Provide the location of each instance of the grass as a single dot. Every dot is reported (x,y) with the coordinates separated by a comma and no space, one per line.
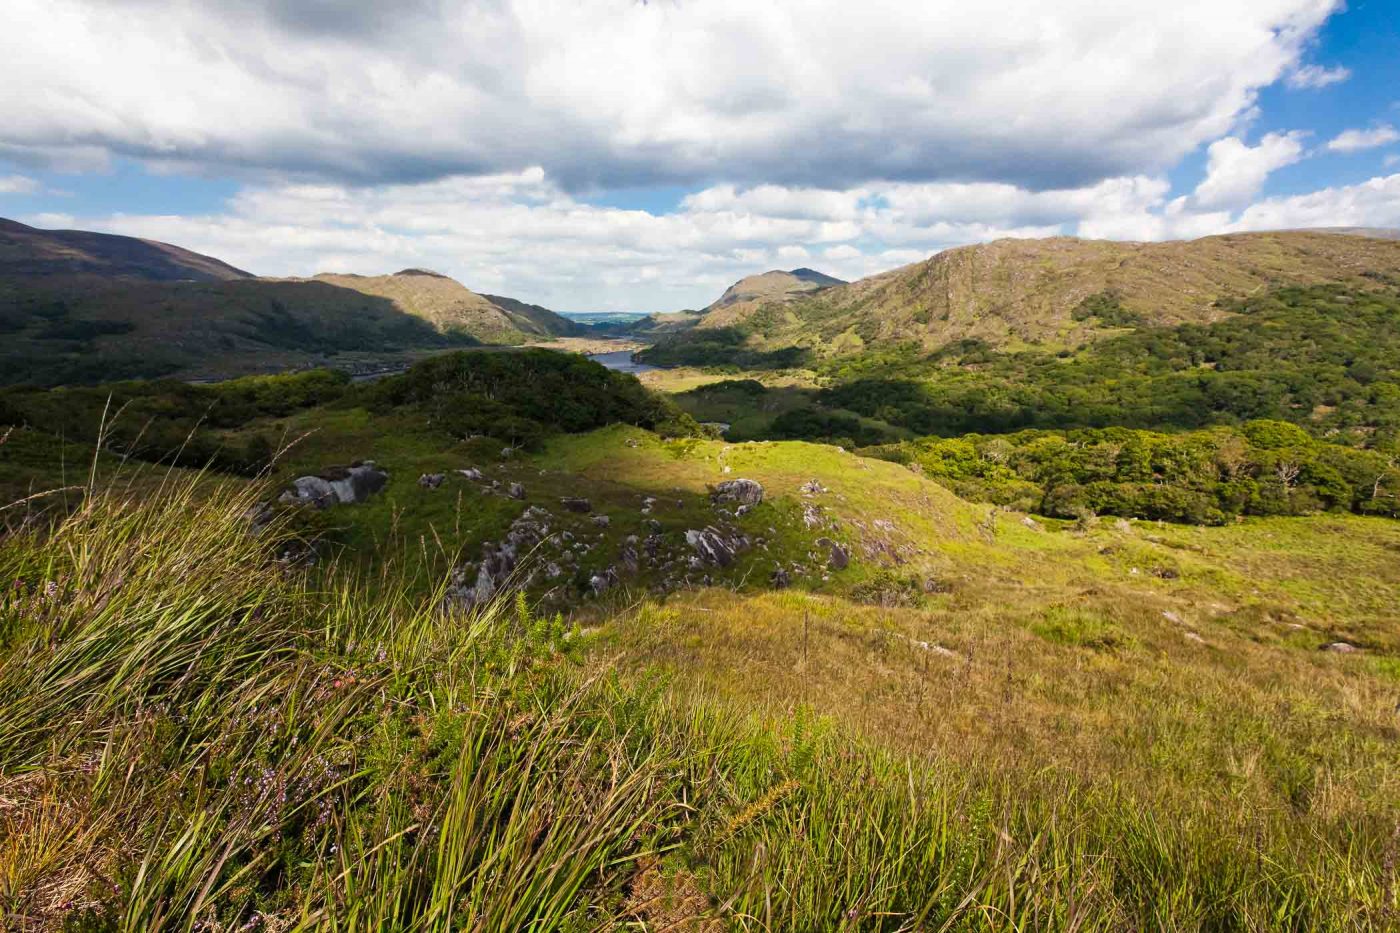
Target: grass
(193,735)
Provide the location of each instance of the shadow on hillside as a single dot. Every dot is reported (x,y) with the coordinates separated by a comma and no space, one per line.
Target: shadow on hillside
(81,329)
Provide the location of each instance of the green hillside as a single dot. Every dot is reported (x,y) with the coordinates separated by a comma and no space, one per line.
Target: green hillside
(1019,293)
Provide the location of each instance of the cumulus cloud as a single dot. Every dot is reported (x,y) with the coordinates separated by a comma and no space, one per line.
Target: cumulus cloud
(804,93)
(1356,140)
(1235,172)
(524,235)
(18,184)
(1315,76)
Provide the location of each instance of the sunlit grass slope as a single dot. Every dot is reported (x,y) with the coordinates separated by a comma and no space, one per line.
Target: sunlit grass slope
(193,736)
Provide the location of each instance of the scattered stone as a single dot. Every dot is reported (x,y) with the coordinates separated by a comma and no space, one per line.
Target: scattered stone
(838,558)
(553,571)
(472,473)
(742,492)
(574,504)
(517,491)
(714,547)
(601,583)
(602,521)
(1340,647)
(628,558)
(431,480)
(337,486)
(812,488)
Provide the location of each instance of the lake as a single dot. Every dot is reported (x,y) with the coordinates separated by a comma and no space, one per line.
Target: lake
(621,360)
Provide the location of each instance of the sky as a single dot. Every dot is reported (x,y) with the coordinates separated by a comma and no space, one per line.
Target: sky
(641,155)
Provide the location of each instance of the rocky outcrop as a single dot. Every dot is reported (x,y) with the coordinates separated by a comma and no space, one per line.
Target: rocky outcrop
(838,558)
(715,548)
(475,584)
(336,486)
(744,493)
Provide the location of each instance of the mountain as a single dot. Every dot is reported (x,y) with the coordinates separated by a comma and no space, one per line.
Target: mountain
(1056,292)
(451,307)
(29,251)
(82,307)
(775,286)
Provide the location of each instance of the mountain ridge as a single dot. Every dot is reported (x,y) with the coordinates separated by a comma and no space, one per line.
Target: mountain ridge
(1059,291)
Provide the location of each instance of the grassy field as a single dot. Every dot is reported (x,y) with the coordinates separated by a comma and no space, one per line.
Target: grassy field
(985,721)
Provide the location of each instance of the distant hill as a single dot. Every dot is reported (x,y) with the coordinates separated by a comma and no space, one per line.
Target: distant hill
(775,286)
(88,307)
(29,251)
(451,307)
(1051,292)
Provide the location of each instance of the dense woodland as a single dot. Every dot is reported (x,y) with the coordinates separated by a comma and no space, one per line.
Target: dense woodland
(518,397)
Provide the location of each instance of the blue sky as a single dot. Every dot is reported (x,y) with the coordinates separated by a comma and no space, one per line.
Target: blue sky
(612,155)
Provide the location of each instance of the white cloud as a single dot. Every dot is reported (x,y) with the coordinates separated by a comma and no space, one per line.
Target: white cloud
(800,93)
(1356,140)
(1315,76)
(1373,203)
(18,184)
(1235,172)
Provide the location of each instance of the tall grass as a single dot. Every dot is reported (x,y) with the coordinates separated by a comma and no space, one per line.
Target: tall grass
(194,735)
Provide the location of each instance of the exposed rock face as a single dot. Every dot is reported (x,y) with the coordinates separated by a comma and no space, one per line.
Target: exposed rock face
(431,480)
(475,584)
(714,547)
(576,505)
(337,486)
(740,492)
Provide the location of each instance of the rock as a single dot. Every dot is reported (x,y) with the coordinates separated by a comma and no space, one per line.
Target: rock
(575,504)
(507,452)
(517,491)
(653,526)
(431,480)
(472,473)
(498,561)
(742,492)
(812,488)
(601,583)
(714,547)
(553,571)
(838,558)
(779,579)
(1340,647)
(629,558)
(1031,523)
(1171,617)
(633,442)
(337,486)
(1192,636)
(602,521)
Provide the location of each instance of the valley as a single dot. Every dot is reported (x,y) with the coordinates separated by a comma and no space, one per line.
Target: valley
(1092,598)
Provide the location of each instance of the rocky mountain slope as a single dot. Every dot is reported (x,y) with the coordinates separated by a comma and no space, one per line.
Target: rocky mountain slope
(776,285)
(1055,292)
